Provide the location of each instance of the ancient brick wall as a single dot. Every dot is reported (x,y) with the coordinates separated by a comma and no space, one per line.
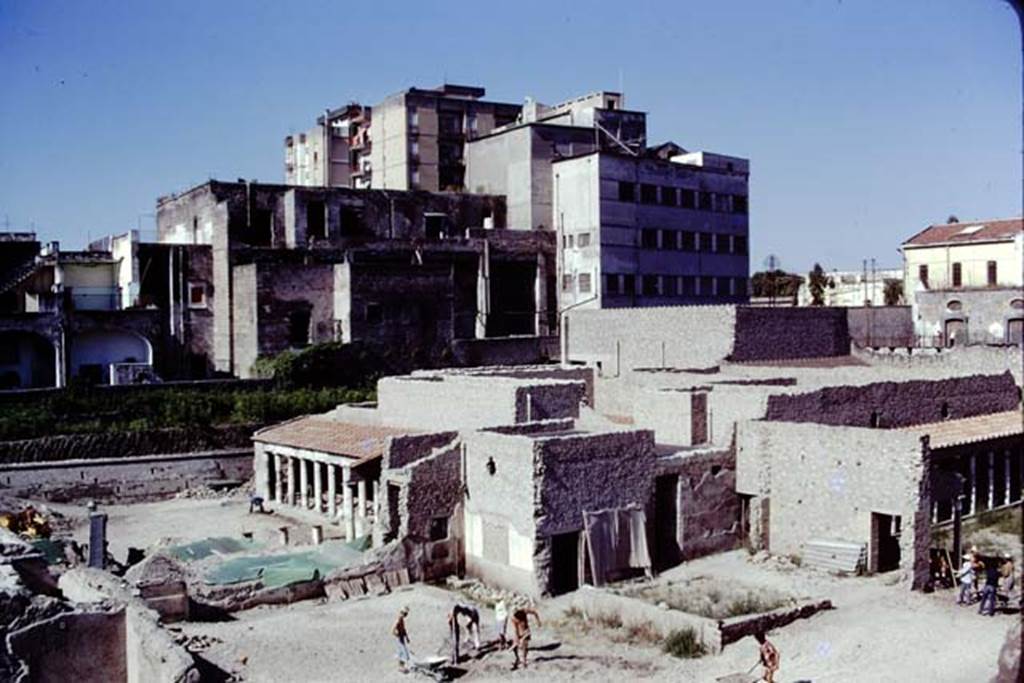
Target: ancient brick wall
(785,333)
(899,404)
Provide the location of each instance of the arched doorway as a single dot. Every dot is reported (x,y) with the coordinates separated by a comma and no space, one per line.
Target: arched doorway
(956,332)
(27,361)
(92,353)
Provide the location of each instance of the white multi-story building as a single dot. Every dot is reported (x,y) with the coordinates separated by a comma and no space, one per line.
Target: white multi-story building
(965,282)
(642,231)
(852,287)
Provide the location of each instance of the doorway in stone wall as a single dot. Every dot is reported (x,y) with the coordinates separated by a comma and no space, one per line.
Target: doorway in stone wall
(666,521)
(885,539)
(565,562)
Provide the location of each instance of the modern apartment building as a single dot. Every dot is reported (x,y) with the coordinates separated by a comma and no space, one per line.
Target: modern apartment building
(413,140)
(639,230)
(515,160)
(334,153)
(966,280)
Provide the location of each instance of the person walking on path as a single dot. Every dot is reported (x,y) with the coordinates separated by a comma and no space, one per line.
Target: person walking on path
(965,575)
(988,593)
(769,658)
(401,634)
(521,627)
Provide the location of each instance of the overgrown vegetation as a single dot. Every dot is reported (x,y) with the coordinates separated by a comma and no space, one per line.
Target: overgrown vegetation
(338,365)
(685,644)
(83,410)
(712,599)
(612,626)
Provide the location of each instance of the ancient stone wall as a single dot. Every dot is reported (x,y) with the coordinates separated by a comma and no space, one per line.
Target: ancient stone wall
(899,404)
(872,326)
(407,449)
(549,400)
(133,479)
(125,444)
(671,336)
(591,472)
(708,508)
(786,333)
(811,481)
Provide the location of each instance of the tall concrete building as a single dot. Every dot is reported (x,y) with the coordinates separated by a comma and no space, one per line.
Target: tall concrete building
(334,153)
(413,140)
(639,230)
(515,160)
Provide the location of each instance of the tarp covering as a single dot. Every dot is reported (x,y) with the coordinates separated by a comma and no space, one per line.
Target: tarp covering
(219,545)
(282,569)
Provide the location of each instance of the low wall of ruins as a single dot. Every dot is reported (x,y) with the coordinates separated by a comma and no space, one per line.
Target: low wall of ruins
(133,479)
(113,444)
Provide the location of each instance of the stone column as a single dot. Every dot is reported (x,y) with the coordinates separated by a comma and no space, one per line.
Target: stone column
(991,480)
(974,483)
(332,491)
(361,510)
(318,486)
(346,505)
(282,481)
(303,484)
(377,502)
(289,495)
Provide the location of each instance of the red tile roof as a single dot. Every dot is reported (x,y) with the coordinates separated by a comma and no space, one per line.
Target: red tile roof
(952,233)
(319,433)
(971,429)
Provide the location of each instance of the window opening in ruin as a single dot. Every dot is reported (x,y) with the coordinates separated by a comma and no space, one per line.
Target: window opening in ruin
(944,410)
(491,467)
(434,226)
(262,228)
(350,220)
(873,421)
(196,295)
(316,220)
(715,469)
(439,529)
(298,329)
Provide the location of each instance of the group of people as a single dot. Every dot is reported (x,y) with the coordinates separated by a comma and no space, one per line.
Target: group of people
(469,617)
(999,579)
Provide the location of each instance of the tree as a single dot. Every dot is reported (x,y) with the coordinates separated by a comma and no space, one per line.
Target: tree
(893,292)
(774,283)
(952,219)
(817,281)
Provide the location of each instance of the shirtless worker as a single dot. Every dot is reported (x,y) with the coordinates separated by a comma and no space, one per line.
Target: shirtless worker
(521,629)
(769,658)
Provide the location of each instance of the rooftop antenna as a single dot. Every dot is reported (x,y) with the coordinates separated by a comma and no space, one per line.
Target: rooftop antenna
(621,84)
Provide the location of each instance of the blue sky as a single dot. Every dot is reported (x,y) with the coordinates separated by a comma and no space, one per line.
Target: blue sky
(864,120)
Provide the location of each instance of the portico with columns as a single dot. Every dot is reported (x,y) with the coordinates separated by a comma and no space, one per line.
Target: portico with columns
(318,465)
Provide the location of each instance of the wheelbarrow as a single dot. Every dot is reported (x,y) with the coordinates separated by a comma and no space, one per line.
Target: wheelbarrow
(434,667)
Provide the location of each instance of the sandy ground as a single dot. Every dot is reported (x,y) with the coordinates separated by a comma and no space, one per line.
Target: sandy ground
(878,632)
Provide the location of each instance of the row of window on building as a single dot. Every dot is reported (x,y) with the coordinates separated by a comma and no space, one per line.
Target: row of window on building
(674,240)
(682,197)
(957,275)
(629,284)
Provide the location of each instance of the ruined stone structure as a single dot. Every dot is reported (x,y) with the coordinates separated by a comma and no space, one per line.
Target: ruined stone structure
(292,266)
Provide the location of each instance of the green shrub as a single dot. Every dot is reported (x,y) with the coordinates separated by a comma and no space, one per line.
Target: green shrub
(685,644)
